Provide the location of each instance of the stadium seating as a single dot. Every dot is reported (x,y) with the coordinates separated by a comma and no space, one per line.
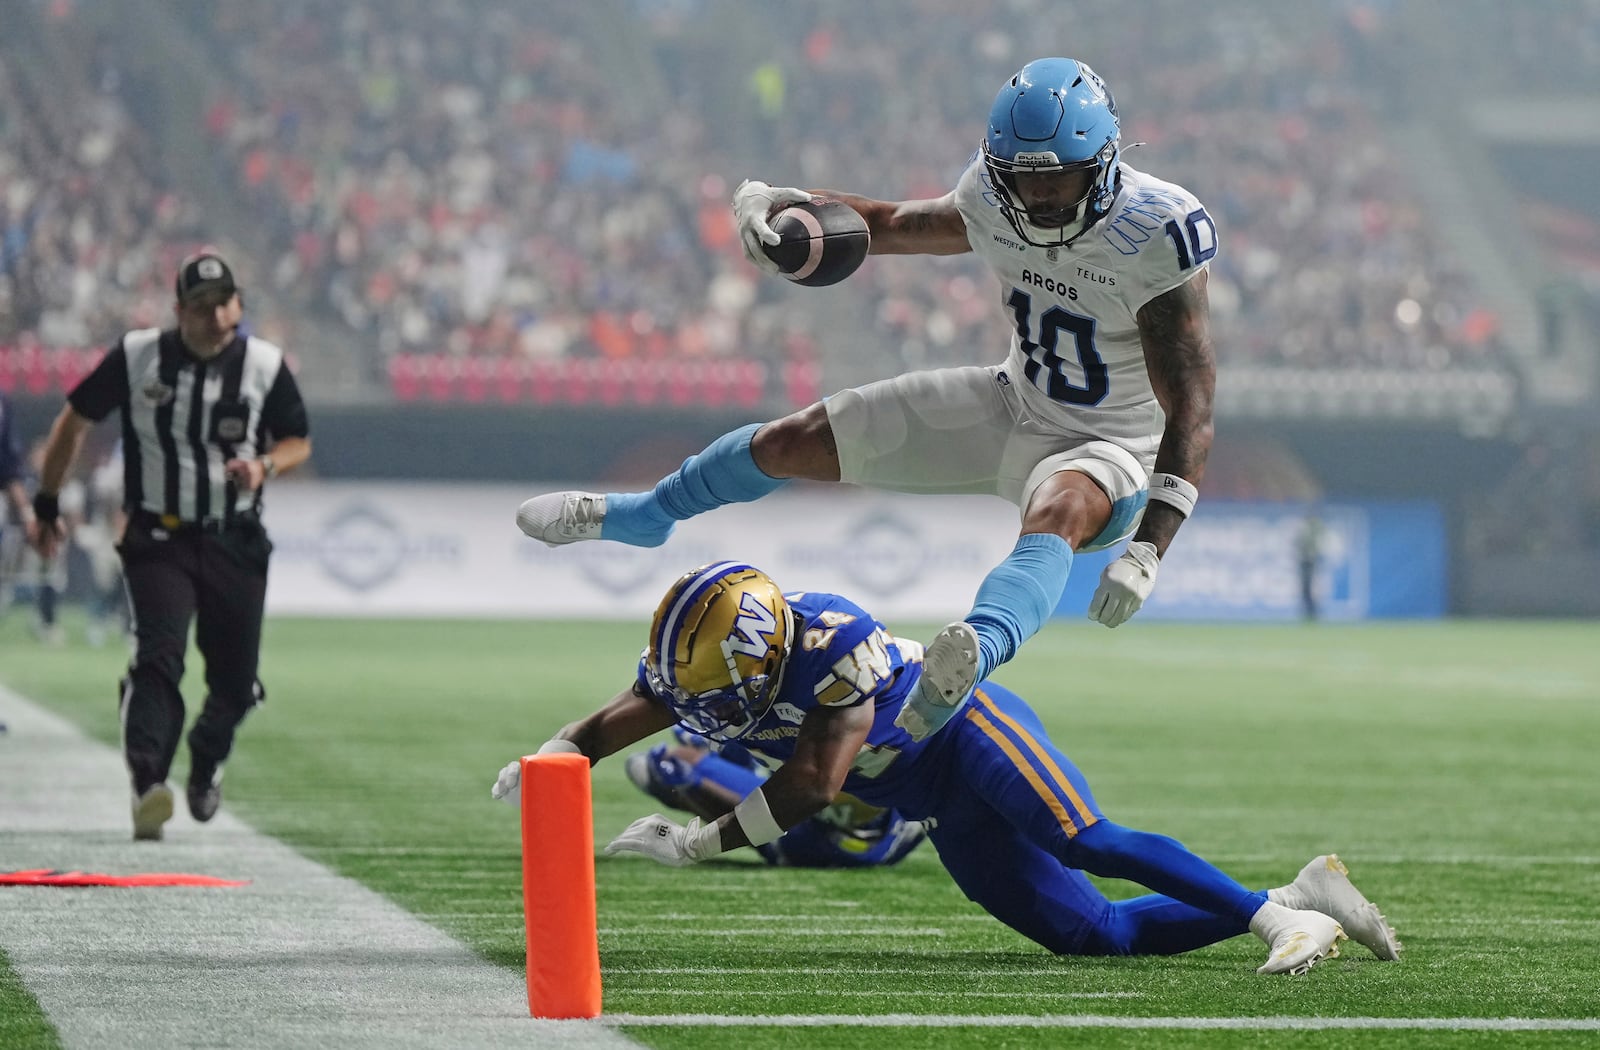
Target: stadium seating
(437,183)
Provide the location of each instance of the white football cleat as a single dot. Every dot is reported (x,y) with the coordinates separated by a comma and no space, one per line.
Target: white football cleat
(150,811)
(949,673)
(1324,885)
(557,518)
(1298,939)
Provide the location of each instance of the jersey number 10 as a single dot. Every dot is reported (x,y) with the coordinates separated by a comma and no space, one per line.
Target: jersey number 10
(1042,355)
(1196,241)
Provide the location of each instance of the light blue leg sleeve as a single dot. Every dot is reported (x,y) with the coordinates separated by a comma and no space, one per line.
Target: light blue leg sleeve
(725,472)
(1018,596)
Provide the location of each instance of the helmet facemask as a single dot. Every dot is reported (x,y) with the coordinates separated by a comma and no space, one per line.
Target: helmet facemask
(724,713)
(1065,216)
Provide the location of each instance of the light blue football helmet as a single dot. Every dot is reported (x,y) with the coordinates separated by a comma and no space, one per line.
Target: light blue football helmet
(1055,119)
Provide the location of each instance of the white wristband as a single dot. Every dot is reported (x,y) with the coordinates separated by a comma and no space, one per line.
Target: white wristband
(558,746)
(1175,492)
(702,840)
(755,817)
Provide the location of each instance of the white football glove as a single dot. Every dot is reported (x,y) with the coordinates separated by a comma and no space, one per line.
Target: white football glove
(753,204)
(664,839)
(1125,584)
(508,785)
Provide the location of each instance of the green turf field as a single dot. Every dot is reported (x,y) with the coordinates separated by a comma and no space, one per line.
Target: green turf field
(1453,766)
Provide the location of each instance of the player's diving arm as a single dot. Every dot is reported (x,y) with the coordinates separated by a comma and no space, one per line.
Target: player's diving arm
(1175,330)
(829,740)
(921,227)
(631,716)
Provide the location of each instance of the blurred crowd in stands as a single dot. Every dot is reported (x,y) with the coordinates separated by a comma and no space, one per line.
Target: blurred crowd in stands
(90,235)
(547,182)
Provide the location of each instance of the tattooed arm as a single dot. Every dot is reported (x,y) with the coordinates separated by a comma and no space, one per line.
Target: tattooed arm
(922,227)
(1175,329)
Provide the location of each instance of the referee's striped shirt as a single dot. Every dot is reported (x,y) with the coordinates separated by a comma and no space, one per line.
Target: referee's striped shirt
(184,418)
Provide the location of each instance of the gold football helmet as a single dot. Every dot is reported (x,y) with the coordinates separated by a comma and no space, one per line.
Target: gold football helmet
(718,643)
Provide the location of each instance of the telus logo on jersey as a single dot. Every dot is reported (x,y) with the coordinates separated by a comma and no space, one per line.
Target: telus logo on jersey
(1097,277)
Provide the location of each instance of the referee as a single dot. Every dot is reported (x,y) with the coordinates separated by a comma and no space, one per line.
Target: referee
(209,416)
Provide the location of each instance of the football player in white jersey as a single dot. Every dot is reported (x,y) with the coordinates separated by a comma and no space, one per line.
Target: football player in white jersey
(1102,404)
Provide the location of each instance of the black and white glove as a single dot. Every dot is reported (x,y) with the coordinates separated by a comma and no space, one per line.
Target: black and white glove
(1125,584)
(665,840)
(753,204)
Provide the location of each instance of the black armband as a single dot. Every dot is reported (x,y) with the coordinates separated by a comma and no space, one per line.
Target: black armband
(46,507)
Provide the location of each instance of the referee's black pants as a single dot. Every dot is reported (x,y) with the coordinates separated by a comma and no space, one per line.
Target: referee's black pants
(216,577)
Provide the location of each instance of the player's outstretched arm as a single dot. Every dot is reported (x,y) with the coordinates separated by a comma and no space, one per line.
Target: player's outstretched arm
(628,718)
(631,716)
(828,742)
(920,227)
(1175,330)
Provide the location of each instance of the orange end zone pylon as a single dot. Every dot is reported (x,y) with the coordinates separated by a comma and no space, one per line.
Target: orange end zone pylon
(558,887)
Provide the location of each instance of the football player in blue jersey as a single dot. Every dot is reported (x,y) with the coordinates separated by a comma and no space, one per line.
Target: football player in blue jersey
(812,683)
(1102,406)
(708,779)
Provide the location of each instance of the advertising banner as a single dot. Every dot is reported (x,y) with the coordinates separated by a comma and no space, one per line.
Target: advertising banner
(375,549)
(1253,561)
(421,550)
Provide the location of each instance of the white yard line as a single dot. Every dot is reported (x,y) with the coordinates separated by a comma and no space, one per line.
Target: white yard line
(300,957)
(766,931)
(1308,1024)
(878,993)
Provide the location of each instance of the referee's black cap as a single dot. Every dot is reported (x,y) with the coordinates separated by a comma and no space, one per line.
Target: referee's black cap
(202,273)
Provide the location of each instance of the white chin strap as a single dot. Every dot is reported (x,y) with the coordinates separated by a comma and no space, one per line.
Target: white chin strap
(1062,235)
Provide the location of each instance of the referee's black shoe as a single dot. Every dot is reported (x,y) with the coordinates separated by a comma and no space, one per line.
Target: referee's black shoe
(205,790)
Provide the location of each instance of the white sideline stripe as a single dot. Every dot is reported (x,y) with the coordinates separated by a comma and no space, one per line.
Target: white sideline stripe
(832,971)
(300,957)
(852,921)
(944,993)
(1307,1024)
(1488,860)
(766,931)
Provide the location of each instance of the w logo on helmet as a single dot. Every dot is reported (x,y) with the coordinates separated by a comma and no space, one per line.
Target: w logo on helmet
(754,628)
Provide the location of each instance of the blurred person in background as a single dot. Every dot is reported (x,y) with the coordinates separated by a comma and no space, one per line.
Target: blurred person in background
(812,684)
(1110,375)
(43,579)
(104,521)
(209,416)
(1308,551)
(16,508)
